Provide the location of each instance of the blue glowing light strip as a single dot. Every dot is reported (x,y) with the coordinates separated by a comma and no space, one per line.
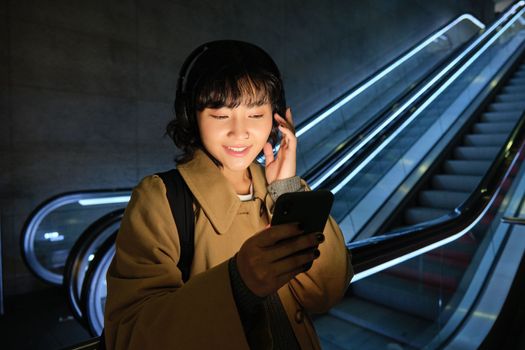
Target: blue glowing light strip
(402,109)
(380,75)
(106,200)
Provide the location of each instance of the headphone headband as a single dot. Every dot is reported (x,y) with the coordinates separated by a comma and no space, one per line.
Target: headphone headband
(188,63)
(208,56)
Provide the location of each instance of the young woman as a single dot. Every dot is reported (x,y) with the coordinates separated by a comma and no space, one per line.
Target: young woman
(247,288)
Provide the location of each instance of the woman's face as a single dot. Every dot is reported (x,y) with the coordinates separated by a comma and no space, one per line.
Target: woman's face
(235,136)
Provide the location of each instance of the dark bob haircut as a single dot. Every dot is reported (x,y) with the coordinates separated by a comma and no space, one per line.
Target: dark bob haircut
(223,73)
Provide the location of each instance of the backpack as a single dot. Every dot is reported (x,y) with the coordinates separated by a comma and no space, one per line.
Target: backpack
(181,205)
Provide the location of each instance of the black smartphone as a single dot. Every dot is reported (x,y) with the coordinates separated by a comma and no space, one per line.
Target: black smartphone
(309,209)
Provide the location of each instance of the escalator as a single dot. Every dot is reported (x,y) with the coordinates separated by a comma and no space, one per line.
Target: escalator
(420,302)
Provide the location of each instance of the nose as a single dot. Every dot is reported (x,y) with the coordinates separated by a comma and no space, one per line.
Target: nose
(239,129)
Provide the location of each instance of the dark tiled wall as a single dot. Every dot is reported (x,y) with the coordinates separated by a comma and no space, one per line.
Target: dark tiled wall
(86,87)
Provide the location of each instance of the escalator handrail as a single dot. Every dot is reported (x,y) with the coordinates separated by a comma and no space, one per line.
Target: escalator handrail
(346,97)
(380,252)
(355,157)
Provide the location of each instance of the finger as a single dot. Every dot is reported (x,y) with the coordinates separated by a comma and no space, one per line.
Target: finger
(281,280)
(289,118)
(276,233)
(295,244)
(268,153)
(285,124)
(289,136)
(283,144)
(281,121)
(297,262)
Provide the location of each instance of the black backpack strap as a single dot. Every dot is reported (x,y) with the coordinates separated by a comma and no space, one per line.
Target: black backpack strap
(181,204)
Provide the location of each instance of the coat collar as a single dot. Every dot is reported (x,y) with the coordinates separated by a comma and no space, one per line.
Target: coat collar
(214,193)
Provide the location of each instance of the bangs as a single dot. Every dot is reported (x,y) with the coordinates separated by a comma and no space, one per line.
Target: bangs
(232,90)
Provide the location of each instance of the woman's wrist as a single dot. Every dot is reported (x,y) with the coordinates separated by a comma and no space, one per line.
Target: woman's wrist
(278,187)
(244,297)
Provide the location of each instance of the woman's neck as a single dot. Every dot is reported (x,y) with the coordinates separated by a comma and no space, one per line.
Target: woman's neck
(240,181)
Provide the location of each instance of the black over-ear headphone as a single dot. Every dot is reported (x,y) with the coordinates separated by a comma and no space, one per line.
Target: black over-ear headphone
(208,57)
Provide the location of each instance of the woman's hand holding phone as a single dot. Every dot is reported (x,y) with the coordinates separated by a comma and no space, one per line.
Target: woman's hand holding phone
(272,257)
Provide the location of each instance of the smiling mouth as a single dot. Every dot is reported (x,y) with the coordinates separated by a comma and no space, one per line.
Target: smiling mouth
(237,151)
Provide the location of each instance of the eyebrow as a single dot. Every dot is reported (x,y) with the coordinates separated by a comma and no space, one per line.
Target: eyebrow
(250,106)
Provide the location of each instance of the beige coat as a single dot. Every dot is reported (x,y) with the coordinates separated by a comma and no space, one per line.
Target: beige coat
(149,307)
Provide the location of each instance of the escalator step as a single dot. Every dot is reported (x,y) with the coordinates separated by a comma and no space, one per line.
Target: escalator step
(476,153)
(506,106)
(485,139)
(461,183)
(516,81)
(466,167)
(519,74)
(337,334)
(416,215)
(493,128)
(519,77)
(442,199)
(516,97)
(510,116)
(382,320)
(407,296)
(515,89)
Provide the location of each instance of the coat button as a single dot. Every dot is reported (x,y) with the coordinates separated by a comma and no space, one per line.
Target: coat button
(299,316)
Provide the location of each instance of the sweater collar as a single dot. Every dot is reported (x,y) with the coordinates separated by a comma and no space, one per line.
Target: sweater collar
(214,193)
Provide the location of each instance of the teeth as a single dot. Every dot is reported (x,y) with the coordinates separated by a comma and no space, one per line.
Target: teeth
(237,149)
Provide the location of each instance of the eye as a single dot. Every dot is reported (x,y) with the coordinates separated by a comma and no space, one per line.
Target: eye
(256,116)
(218,116)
